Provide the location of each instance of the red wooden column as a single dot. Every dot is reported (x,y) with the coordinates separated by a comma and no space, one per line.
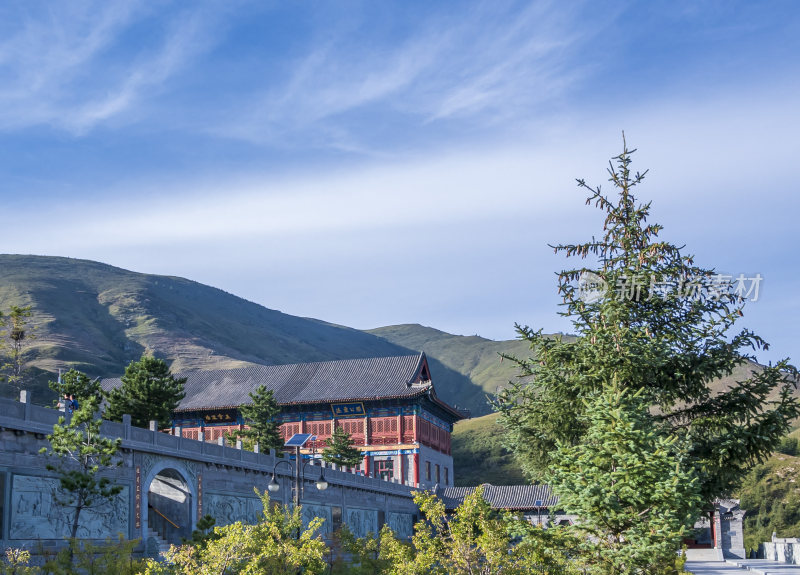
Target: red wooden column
(402,468)
(400,429)
(366,465)
(416,469)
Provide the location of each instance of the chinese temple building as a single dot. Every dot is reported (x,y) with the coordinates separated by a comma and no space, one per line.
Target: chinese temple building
(387,404)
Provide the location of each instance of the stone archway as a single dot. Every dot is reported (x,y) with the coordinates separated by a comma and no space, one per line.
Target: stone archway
(169,503)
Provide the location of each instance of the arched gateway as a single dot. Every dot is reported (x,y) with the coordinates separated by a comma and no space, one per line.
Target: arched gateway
(169,503)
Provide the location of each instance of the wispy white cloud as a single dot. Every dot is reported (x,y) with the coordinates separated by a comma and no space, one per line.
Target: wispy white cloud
(63,64)
(486,63)
(690,147)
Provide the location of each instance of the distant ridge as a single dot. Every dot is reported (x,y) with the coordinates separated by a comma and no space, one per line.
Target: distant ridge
(97,318)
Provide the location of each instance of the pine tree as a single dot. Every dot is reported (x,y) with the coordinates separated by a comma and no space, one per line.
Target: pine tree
(647,318)
(340,449)
(77,384)
(148,392)
(82,453)
(633,490)
(259,416)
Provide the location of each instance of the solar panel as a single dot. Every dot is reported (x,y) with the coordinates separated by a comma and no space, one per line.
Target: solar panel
(297,440)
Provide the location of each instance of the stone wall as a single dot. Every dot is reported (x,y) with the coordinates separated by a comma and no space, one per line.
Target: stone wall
(182,478)
(785,551)
(434,457)
(732,536)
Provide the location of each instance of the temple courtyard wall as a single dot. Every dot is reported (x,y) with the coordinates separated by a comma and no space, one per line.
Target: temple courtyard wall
(168,482)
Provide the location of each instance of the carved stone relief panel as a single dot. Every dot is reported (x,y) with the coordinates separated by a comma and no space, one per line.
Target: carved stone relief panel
(310,511)
(36,513)
(362,521)
(227,509)
(401,523)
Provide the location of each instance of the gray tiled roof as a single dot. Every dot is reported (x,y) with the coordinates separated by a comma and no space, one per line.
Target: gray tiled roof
(513,497)
(302,383)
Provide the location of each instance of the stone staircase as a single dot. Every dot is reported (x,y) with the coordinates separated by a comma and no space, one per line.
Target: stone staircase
(161,544)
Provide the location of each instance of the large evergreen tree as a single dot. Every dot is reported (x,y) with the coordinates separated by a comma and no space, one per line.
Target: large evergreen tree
(259,415)
(148,392)
(650,321)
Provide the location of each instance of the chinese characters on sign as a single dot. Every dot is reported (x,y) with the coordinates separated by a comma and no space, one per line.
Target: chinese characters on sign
(199,494)
(348,409)
(138,498)
(218,417)
(591,287)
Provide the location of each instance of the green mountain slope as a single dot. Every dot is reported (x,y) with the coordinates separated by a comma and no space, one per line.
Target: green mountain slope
(97,318)
(478,454)
(771,495)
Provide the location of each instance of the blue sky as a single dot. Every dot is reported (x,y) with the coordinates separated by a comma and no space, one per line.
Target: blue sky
(372,163)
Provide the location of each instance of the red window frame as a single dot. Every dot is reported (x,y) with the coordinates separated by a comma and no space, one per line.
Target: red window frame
(384,466)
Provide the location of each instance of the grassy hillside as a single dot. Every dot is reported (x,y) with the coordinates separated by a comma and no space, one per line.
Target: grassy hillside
(771,496)
(98,318)
(479,457)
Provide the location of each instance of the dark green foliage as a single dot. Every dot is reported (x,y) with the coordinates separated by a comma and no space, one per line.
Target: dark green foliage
(671,345)
(340,449)
(148,392)
(633,489)
(788,446)
(81,454)
(479,455)
(77,384)
(259,416)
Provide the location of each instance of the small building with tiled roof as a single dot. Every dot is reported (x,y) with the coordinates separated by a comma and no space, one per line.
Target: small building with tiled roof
(387,404)
(534,502)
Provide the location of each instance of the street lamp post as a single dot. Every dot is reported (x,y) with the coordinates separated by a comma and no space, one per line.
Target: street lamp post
(274,486)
